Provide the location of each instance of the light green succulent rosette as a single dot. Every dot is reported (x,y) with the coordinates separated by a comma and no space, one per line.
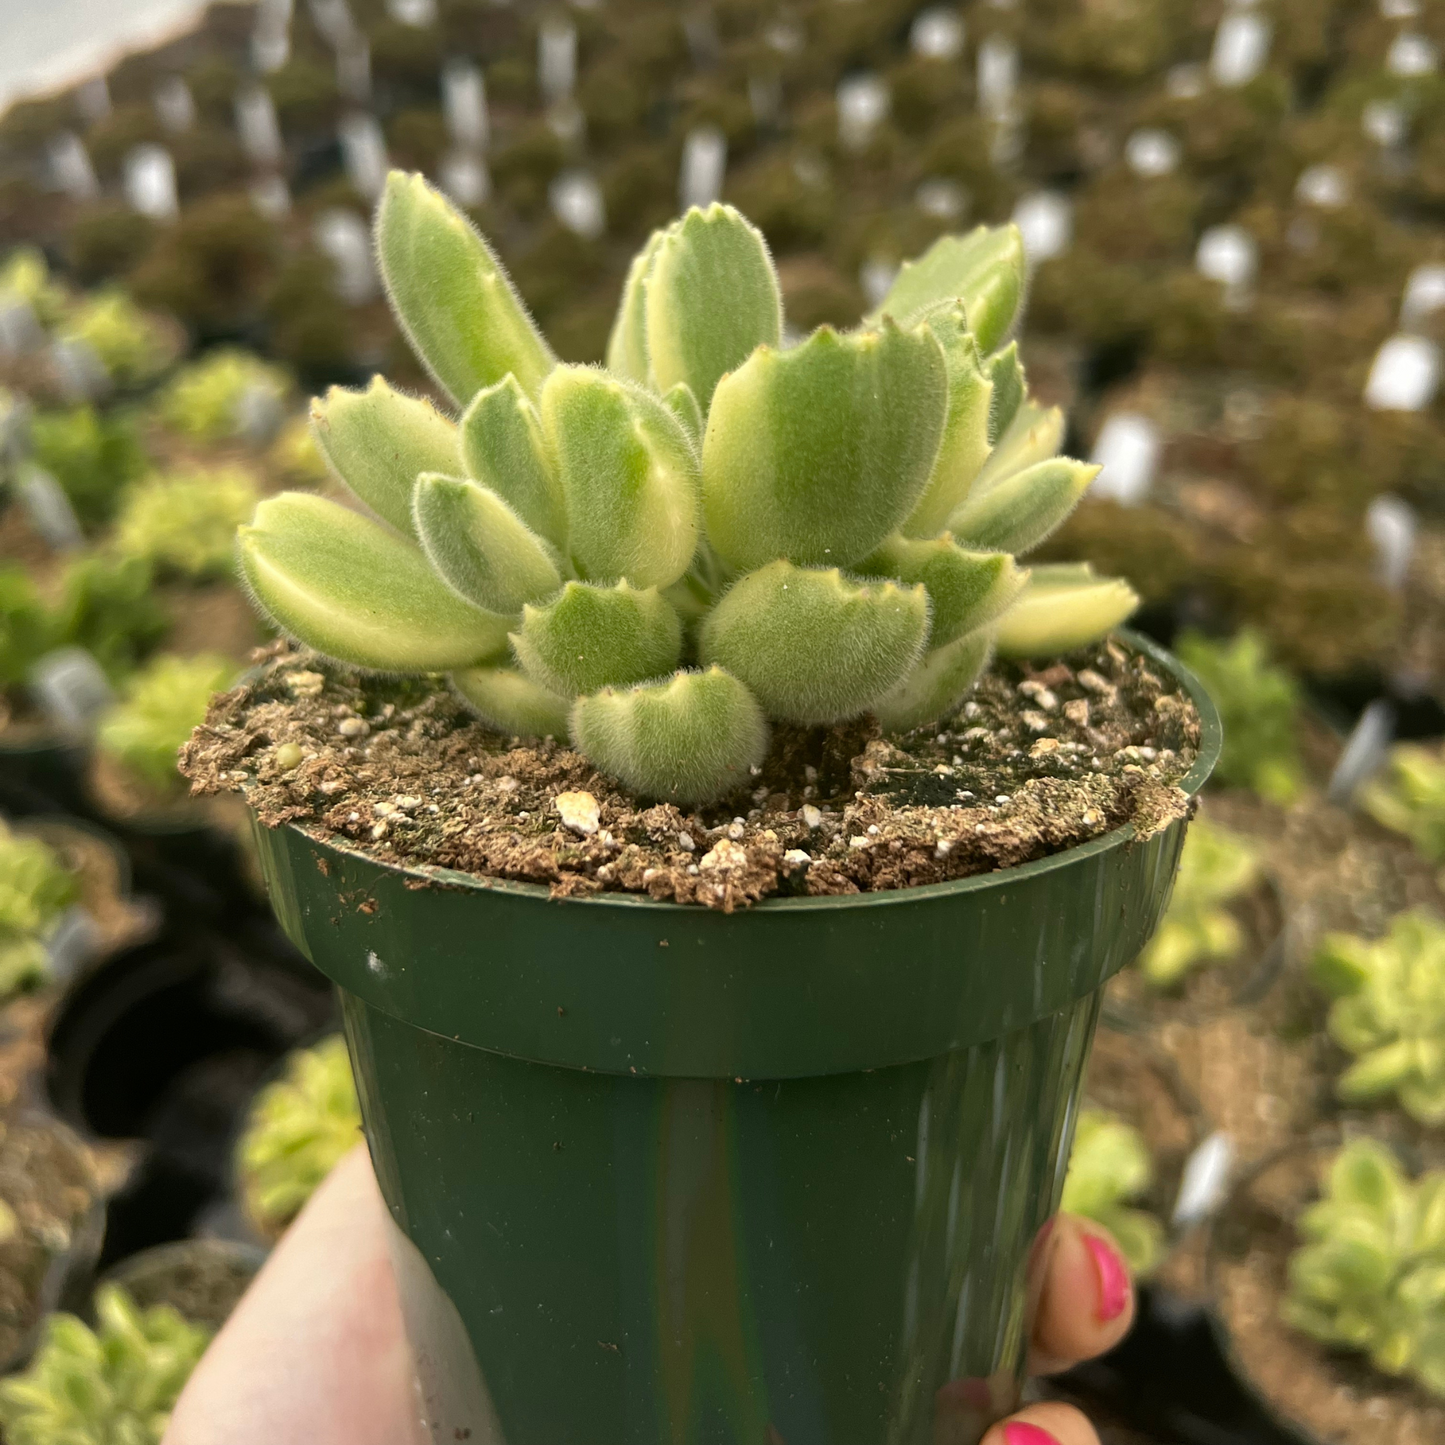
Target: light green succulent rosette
(661,558)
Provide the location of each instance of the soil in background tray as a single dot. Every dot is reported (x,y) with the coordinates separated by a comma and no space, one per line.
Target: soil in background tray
(1341,1397)
(1037,761)
(203,1279)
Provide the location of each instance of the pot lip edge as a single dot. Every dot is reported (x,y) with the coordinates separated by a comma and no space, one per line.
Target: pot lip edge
(1211,736)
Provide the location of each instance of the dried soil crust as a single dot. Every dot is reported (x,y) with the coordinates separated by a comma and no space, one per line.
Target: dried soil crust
(1338,1397)
(1037,761)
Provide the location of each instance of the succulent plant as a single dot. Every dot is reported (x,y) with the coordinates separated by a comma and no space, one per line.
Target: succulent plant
(93,455)
(1408,796)
(35,890)
(26,277)
(1216,867)
(1371,1275)
(185,521)
(1258,703)
(156,713)
(227,394)
(114,1385)
(1109,1166)
(1389,1012)
(658,558)
(298,1130)
(134,347)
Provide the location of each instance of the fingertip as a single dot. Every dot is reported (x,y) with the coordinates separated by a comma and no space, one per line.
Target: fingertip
(1046,1424)
(1086,1305)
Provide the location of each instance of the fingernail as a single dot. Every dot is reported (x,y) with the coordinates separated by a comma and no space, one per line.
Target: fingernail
(1020,1432)
(1113,1279)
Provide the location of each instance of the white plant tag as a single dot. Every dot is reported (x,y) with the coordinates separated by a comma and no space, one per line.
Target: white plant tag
(1424,294)
(1046,221)
(1151,153)
(863,105)
(49,509)
(998,76)
(271,196)
(1241,47)
(175,107)
(70,167)
(70,689)
(1228,254)
(363,151)
(257,126)
(1322,186)
(465,178)
(704,163)
(1205,1181)
(345,239)
(937,34)
(1393,529)
(150,182)
(1127,448)
(576,201)
(464,103)
(1365,751)
(1404,375)
(556,59)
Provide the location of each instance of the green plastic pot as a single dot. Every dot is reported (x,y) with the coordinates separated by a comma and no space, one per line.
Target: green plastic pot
(666,1176)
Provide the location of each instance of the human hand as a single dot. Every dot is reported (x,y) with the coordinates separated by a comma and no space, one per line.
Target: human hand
(316,1353)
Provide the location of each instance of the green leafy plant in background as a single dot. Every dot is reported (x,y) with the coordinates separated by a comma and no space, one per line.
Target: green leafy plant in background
(114,1385)
(1408,796)
(212,399)
(1109,1167)
(133,346)
(156,713)
(660,558)
(27,626)
(1259,705)
(108,606)
(35,891)
(93,455)
(1389,1012)
(298,1130)
(1215,868)
(185,521)
(24,276)
(1371,1276)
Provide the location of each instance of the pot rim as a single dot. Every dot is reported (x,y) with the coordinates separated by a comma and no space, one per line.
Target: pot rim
(1211,739)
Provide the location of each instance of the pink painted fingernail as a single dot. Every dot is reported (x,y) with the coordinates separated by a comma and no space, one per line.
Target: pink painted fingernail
(1020,1432)
(1113,1279)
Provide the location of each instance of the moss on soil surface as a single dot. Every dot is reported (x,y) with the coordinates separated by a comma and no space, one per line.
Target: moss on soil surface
(1037,761)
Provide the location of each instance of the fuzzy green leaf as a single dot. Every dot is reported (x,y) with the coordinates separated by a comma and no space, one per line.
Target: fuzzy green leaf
(479,546)
(812,647)
(593,637)
(1035,434)
(984,269)
(1020,511)
(627,345)
(964,447)
(354,590)
(511,703)
(456,304)
(1006,372)
(629,476)
(1061,608)
(690,739)
(711,297)
(938,684)
(966,589)
(378,442)
(503,447)
(680,401)
(818,453)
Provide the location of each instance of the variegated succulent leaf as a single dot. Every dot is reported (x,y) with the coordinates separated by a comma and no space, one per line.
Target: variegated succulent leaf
(689,739)
(378,442)
(818,453)
(1063,606)
(502,446)
(985,270)
(453,299)
(511,702)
